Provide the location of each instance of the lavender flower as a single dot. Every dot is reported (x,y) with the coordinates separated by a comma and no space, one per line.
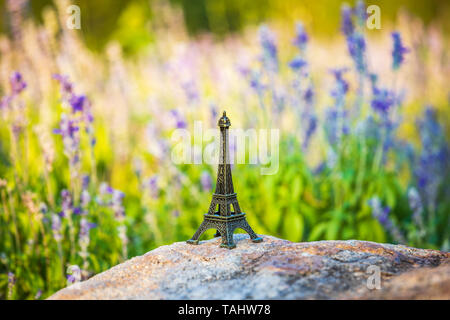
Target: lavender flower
(311,128)
(157,145)
(122,231)
(178,119)
(308,95)
(382,215)
(74,274)
(415,203)
(84,239)
(17,83)
(11,278)
(80,105)
(117,206)
(105,189)
(56,227)
(88,120)
(341,85)
(191,91)
(255,80)
(336,117)
(270,51)
(206,181)
(347,26)
(213,113)
(11,284)
(5,102)
(301,37)
(360,13)
(69,130)
(398,51)
(85,199)
(85,179)
(356,47)
(297,63)
(104,194)
(18,119)
(151,185)
(432,165)
(175,213)
(66,85)
(335,126)
(77,102)
(43,209)
(85,226)
(119,214)
(66,204)
(382,101)
(38,294)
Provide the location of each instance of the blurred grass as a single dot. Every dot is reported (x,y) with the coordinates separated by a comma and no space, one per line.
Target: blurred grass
(130,22)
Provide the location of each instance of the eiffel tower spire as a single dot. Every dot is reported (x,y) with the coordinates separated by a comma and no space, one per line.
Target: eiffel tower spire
(224,220)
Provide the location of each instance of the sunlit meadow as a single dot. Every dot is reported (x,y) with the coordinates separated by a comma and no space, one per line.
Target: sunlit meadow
(86,176)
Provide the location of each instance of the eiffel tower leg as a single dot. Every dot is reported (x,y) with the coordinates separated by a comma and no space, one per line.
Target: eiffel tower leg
(245,226)
(203,227)
(227,237)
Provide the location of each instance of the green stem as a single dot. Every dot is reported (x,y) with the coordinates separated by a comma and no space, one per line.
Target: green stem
(362,166)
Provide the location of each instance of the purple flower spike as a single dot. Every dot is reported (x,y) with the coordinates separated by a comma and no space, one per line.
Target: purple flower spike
(347,26)
(206,181)
(179,120)
(105,189)
(270,51)
(17,83)
(70,278)
(301,37)
(66,85)
(311,128)
(382,215)
(398,51)
(85,226)
(4,102)
(356,47)
(77,102)
(341,83)
(382,101)
(360,13)
(152,186)
(309,95)
(85,181)
(297,63)
(56,227)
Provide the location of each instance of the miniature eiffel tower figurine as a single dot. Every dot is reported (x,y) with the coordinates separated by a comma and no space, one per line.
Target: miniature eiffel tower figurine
(224,220)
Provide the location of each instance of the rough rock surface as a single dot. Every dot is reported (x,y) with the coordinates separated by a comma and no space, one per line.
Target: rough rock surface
(273,269)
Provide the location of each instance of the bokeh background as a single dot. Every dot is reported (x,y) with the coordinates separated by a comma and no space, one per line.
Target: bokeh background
(87,116)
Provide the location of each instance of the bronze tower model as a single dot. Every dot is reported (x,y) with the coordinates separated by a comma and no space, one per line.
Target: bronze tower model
(224,220)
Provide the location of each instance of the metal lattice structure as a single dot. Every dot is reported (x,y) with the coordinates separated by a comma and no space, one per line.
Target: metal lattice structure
(220,216)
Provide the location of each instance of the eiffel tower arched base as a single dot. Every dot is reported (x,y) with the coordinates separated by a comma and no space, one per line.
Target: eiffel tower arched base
(225,226)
